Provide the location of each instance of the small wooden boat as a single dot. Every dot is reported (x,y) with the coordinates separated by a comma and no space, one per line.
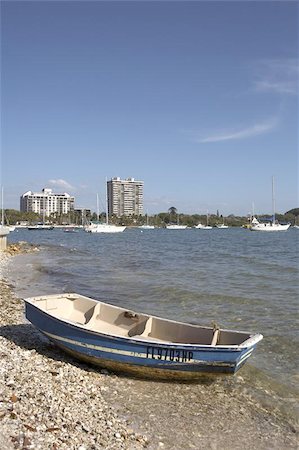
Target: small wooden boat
(143,345)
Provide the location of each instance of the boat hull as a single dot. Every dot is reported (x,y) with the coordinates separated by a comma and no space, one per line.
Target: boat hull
(203,227)
(105,228)
(41,227)
(140,357)
(270,227)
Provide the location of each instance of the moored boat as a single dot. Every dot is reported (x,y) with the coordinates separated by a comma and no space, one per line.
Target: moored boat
(176,227)
(271,225)
(222,226)
(104,228)
(136,343)
(147,227)
(99,227)
(40,226)
(200,226)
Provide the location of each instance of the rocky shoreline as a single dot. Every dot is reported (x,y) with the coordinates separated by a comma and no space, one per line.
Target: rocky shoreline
(49,401)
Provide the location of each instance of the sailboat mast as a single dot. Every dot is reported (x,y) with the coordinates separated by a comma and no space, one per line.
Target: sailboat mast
(2,208)
(106,201)
(273,201)
(98,212)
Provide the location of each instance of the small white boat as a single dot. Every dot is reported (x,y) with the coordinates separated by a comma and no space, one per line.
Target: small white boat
(176,227)
(6,227)
(4,230)
(222,226)
(200,226)
(104,228)
(147,227)
(137,343)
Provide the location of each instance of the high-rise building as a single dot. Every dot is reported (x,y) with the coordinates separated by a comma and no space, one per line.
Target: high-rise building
(46,202)
(125,197)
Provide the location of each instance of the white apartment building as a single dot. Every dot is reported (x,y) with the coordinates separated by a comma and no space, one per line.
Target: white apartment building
(46,202)
(125,197)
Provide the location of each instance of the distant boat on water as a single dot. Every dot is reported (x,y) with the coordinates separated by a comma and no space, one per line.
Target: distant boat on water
(222,226)
(40,226)
(104,228)
(147,226)
(268,226)
(4,229)
(97,227)
(200,226)
(271,225)
(176,227)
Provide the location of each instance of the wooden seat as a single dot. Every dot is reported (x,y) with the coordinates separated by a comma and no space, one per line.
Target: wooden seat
(215,337)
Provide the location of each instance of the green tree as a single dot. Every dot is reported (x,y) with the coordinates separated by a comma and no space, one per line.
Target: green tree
(172,211)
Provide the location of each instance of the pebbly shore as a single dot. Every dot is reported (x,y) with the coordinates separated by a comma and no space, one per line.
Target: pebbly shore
(50,401)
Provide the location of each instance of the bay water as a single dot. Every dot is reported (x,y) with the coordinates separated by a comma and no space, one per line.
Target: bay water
(242,280)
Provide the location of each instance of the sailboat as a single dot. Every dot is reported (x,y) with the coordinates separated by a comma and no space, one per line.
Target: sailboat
(222,226)
(41,225)
(103,227)
(272,225)
(147,226)
(295,224)
(200,226)
(4,230)
(176,226)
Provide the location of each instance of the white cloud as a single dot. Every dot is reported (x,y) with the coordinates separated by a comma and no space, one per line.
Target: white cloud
(61,184)
(277,76)
(244,133)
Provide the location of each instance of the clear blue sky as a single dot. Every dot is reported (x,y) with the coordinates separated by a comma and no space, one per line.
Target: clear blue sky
(197,99)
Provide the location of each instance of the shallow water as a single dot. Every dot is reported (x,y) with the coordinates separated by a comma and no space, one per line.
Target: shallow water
(240,279)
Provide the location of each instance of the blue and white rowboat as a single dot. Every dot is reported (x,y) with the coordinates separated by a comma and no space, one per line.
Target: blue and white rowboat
(139,344)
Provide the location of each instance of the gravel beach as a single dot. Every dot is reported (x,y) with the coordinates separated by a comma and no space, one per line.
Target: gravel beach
(50,401)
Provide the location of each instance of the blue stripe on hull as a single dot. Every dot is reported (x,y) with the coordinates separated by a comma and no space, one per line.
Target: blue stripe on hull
(126,354)
(163,373)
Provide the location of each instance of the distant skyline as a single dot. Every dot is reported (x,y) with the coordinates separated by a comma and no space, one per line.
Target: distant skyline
(199,99)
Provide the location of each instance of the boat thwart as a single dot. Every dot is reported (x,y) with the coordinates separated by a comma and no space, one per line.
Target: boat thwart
(136,343)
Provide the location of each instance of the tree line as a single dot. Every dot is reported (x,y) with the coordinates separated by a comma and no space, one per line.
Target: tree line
(13,217)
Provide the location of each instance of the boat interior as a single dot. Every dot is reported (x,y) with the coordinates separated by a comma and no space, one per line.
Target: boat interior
(112,320)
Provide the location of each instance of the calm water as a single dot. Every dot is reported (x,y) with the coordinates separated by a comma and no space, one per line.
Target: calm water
(240,279)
